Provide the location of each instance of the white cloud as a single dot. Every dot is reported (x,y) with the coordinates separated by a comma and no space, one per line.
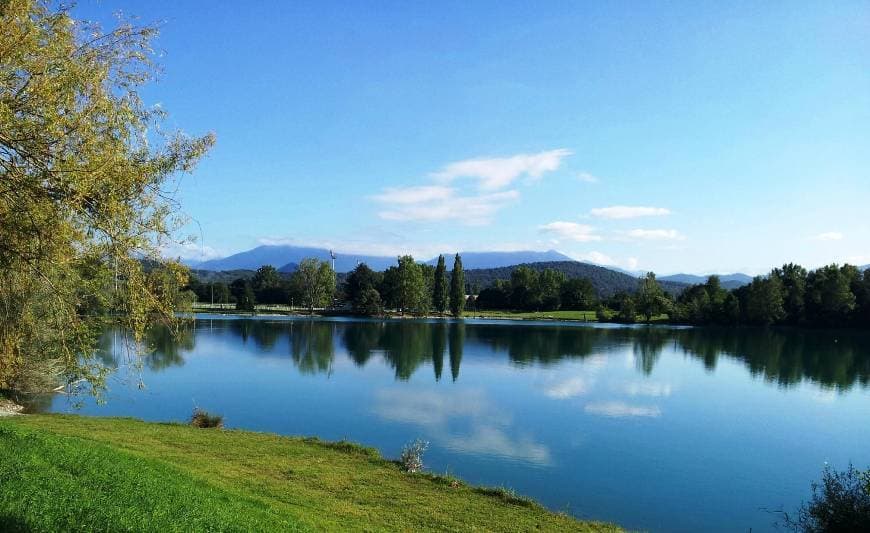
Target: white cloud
(598,258)
(436,204)
(414,195)
(464,421)
(569,388)
(490,440)
(571,231)
(377,243)
(586,177)
(626,211)
(647,389)
(190,251)
(655,234)
(620,410)
(631,263)
(828,236)
(497,173)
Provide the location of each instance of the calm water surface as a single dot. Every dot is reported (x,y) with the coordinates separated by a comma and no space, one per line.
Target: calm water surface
(654,428)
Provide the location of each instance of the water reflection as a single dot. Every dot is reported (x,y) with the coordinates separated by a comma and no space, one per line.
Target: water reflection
(833,359)
(465,422)
(614,423)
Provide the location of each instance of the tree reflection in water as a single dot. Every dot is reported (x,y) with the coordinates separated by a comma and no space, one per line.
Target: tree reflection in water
(833,359)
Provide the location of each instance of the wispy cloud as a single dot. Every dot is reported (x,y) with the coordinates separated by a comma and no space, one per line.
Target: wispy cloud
(436,204)
(445,201)
(463,421)
(620,410)
(414,195)
(375,242)
(570,231)
(647,389)
(586,177)
(828,236)
(499,172)
(655,234)
(190,251)
(627,211)
(598,258)
(569,388)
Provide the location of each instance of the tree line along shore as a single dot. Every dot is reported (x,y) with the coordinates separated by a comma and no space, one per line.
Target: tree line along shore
(830,296)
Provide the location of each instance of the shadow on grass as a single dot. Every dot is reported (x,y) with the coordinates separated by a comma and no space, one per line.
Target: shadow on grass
(13,524)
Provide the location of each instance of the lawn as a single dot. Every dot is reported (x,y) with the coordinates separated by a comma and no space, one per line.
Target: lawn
(60,472)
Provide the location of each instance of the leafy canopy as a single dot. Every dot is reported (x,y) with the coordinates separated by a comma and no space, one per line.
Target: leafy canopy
(86,182)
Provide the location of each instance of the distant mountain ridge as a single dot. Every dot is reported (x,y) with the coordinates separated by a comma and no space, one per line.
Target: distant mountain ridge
(474,260)
(287,257)
(728,281)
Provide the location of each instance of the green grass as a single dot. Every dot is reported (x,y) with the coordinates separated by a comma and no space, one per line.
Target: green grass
(588,316)
(78,473)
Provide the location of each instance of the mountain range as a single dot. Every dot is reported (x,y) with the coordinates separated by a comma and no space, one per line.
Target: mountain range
(728,281)
(286,257)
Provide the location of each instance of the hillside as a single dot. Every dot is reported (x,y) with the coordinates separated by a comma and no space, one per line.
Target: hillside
(607,282)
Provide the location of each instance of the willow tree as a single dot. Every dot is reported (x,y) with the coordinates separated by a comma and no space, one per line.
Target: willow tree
(86,193)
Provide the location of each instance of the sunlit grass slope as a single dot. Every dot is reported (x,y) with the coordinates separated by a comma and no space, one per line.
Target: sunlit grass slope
(78,473)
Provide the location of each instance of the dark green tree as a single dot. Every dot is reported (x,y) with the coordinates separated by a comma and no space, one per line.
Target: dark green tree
(440,294)
(314,281)
(578,294)
(651,300)
(829,298)
(525,289)
(412,288)
(549,287)
(764,301)
(457,288)
(361,290)
(243,292)
(794,285)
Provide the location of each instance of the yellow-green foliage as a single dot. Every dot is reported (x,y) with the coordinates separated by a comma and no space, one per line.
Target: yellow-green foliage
(93,473)
(84,196)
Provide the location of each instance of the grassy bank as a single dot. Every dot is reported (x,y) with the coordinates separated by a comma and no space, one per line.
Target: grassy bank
(80,473)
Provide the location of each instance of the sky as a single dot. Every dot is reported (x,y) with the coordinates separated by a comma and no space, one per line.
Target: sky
(668,136)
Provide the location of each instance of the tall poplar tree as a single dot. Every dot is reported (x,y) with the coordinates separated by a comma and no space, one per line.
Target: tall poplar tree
(440,296)
(457,288)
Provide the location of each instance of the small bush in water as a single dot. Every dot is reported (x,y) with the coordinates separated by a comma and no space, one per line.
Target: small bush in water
(203,419)
(412,456)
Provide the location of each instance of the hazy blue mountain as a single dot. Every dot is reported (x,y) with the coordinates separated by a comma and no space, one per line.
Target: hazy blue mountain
(287,257)
(471,260)
(863,268)
(729,281)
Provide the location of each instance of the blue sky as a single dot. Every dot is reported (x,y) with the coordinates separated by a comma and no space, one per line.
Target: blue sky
(696,137)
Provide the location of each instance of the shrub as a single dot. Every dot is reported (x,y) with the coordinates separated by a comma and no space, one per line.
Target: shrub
(204,419)
(412,456)
(841,502)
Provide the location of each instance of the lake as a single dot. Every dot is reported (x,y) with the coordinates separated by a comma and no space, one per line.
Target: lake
(654,428)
